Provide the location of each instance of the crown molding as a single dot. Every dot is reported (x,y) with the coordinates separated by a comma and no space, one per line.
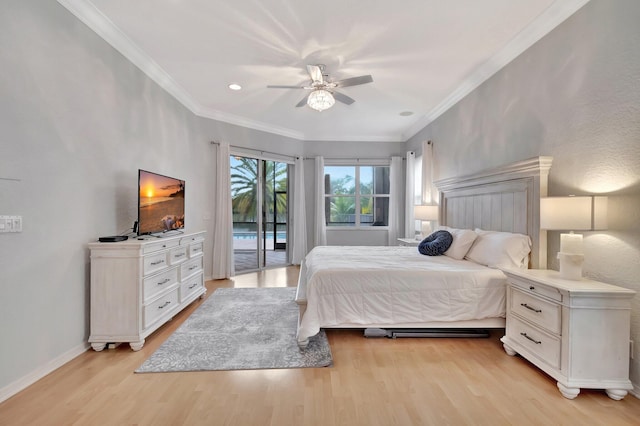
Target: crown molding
(86,12)
(245,122)
(553,16)
(92,17)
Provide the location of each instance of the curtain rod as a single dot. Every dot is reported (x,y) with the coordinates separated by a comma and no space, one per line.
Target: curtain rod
(261,151)
(354,159)
(305,158)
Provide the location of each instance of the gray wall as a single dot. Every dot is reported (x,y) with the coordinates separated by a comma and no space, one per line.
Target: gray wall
(575,95)
(78,120)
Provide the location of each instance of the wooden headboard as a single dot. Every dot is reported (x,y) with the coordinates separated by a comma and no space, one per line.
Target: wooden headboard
(506,198)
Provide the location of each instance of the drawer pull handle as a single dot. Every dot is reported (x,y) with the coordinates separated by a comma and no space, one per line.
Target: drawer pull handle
(180,254)
(530,308)
(166,280)
(192,286)
(193,267)
(159,262)
(165,304)
(531,287)
(537,342)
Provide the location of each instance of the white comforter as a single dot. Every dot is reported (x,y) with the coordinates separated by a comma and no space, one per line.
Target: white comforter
(365,286)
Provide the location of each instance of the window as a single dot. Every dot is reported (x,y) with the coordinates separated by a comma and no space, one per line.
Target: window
(356,196)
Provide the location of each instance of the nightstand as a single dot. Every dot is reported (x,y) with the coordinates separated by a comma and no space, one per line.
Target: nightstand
(409,242)
(575,331)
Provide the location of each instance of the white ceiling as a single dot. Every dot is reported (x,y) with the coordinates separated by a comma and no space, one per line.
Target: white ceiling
(424,55)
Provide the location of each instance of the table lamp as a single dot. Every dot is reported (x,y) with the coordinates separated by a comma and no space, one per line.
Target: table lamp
(425,213)
(583,213)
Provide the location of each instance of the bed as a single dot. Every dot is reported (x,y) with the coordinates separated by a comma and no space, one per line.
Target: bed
(396,287)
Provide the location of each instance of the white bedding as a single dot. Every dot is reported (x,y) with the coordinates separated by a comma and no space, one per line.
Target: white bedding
(393,286)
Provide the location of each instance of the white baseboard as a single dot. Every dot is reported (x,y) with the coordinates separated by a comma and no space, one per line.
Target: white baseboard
(26,381)
(635,391)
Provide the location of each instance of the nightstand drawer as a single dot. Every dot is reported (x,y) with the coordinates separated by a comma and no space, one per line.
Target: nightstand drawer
(536,288)
(542,313)
(544,346)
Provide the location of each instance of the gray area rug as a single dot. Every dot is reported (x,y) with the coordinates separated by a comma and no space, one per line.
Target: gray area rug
(240,329)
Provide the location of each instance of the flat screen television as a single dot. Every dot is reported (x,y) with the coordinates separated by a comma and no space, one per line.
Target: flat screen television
(160,203)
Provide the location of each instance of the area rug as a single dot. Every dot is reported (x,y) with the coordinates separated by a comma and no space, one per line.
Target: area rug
(240,329)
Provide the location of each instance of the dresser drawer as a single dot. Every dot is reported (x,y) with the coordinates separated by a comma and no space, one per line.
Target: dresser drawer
(196,249)
(155,284)
(190,267)
(155,262)
(545,314)
(160,245)
(190,286)
(177,255)
(160,307)
(543,345)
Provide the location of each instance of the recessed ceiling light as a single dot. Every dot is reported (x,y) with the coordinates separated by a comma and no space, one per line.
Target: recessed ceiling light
(406,113)
(235,86)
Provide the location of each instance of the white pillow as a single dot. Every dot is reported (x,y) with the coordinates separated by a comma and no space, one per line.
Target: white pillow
(500,249)
(462,241)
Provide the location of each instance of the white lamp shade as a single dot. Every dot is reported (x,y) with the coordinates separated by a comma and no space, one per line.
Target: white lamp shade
(320,100)
(600,209)
(573,213)
(425,212)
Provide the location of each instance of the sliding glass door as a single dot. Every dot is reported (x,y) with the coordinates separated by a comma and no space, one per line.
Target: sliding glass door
(260,213)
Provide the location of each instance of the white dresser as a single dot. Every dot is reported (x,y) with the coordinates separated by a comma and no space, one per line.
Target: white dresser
(138,285)
(575,331)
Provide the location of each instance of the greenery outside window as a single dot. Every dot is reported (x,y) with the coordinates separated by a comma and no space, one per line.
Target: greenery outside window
(356,196)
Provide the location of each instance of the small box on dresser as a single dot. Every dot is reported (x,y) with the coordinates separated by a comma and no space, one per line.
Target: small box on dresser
(576,331)
(139,284)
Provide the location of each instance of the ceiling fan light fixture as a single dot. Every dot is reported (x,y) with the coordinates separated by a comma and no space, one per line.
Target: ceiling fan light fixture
(320,100)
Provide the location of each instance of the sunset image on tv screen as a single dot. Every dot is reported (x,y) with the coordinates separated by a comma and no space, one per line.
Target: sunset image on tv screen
(161,203)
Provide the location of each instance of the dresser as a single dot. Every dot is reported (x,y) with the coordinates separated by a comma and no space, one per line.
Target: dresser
(137,285)
(575,331)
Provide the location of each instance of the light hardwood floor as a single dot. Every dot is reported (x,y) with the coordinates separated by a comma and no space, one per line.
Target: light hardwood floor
(372,382)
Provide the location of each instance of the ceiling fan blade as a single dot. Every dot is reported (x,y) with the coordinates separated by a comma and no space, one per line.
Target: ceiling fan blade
(343,98)
(284,87)
(354,81)
(315,72)
(303,102)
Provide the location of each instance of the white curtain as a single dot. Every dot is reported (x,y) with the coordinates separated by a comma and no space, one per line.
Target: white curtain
(429,192)
(299,240)
(409,220)
(395,199)
(223,266)
(320,225)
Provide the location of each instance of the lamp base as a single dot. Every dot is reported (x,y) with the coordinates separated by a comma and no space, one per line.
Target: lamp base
(425,229)
(571,266)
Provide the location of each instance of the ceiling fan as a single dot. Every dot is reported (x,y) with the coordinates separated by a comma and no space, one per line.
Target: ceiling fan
(323,95)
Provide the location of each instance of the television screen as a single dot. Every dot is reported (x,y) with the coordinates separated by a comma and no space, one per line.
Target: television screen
(160,203)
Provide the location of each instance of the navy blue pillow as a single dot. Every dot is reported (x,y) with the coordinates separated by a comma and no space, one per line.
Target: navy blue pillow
(436,243)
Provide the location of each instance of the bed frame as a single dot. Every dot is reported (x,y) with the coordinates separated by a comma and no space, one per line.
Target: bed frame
(505,198)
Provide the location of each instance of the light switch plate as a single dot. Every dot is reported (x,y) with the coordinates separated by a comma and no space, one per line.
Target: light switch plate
(10,224)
